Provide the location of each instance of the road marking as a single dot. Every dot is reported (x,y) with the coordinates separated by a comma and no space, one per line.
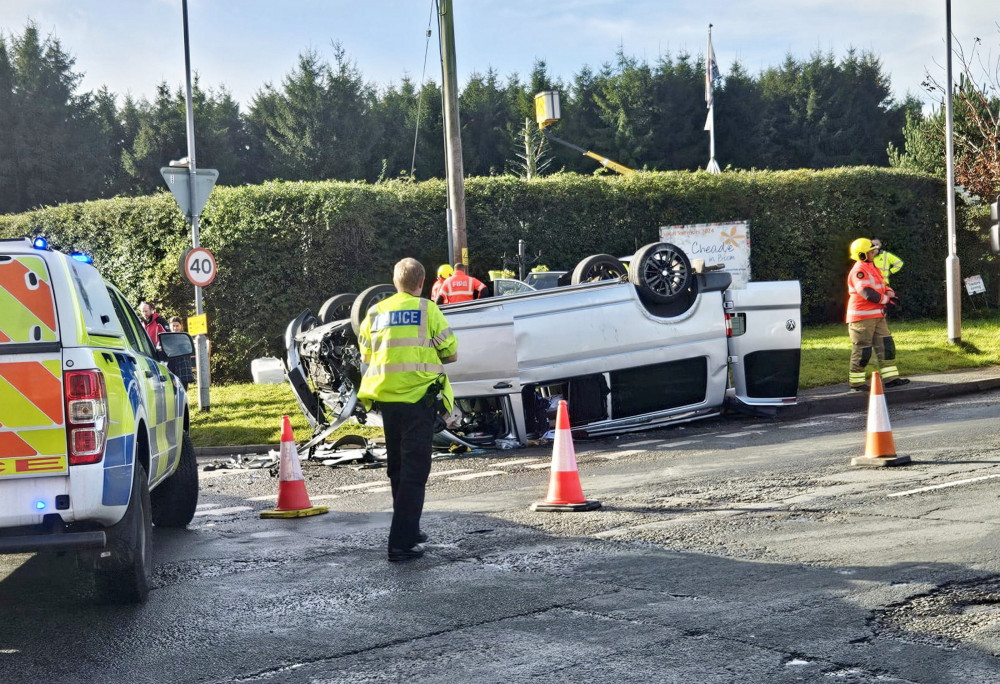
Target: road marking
(946,484)
(442,473)
(635,444)
(744,434)
(539,466)
(473,476)
(810,423)
(363,485)
(517,462)
(222,511)
(671,445)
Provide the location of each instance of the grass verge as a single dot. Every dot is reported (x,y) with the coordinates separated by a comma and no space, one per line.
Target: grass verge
(251,414)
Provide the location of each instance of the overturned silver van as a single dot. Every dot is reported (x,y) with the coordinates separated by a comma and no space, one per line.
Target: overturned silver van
(664,341)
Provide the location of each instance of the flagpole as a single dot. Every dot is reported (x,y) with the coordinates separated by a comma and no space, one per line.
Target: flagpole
(710,70)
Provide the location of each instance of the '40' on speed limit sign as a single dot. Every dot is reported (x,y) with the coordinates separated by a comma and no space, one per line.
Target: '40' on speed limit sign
(199,266)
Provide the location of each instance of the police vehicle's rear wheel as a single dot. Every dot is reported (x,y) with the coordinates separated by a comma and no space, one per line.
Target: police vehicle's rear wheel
(175,500)
(337,307)
(364,301)
(598,267)
(123,577)
(661,273)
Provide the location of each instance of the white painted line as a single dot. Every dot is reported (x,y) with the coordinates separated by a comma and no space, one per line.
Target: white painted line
(635,444)
(375,490)
(539,466)
(325,497)
(473,476)
(612,457)
(363,485)
(223,511)
(205,506)
(627,452)
(442,473)
(947,484)
(517,462)
(671,445)
(743,434)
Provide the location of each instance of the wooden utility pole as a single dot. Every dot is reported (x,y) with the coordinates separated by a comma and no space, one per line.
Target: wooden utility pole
(452,135)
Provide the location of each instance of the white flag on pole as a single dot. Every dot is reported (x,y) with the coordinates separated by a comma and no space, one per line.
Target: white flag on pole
(711,73)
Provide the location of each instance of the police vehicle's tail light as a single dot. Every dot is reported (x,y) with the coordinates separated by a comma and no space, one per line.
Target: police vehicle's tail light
(86,416)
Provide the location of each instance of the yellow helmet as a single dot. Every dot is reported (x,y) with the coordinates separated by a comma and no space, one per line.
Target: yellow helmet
(445,271)
(859,249)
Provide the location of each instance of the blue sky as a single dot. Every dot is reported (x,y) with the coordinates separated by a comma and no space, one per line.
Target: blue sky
(131,45)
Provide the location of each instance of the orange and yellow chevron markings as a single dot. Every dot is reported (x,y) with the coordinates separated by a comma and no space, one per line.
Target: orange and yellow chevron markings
(35,383)
(26,296)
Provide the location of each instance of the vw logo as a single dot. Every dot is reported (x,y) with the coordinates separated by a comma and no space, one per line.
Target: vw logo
(790,325)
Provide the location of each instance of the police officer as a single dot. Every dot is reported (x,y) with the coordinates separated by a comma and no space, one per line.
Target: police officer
(886,262)
(867,297)
(461,287)
(405,340)
(444,271)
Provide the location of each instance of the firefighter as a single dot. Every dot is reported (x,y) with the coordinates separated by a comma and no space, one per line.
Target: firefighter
(887,262)
(444,270)
(866,301)
(461,287)
(405,342)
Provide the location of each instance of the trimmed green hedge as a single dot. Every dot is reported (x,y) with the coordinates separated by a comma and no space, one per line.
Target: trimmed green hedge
(284,247)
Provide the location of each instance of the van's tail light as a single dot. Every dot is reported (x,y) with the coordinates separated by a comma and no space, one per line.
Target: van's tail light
(729,326)
(86,416)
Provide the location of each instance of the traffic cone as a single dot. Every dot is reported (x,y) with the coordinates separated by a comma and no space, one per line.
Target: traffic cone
(880,450)
(293,501)
(565,492)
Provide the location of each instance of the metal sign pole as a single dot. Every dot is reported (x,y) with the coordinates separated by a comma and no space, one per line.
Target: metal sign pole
(201,341)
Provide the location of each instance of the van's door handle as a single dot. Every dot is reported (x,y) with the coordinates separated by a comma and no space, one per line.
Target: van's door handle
(502,385)
(149,373)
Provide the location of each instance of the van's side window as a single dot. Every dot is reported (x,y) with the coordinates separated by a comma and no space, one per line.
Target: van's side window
(136,335)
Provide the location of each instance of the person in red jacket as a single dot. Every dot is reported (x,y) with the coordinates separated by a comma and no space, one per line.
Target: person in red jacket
(154,322)
(444,271)
(867,298)
(460,287)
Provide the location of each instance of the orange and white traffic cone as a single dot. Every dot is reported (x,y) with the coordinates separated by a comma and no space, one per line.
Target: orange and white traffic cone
(293,501)
(565,492)
(880,449)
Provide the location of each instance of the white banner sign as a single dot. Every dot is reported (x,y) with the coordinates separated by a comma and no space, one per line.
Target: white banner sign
(716,243)
(975,285)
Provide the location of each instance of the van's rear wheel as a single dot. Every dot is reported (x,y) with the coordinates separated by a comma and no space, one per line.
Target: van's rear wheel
(123,577)
(598,267)
(176,499)
(364,301)
(661,272)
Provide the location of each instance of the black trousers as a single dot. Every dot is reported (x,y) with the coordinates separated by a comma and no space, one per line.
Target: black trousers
(409,434)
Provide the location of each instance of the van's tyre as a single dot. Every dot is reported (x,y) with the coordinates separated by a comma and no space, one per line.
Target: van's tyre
(661,272)
(336,308)
(176,499)
(123,577)
(365,300)
(598,267)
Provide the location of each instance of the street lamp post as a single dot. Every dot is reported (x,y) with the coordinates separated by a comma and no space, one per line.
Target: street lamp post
(201,341)
(952,269)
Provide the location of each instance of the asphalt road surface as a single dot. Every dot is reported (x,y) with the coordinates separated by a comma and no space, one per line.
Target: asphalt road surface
(732,550)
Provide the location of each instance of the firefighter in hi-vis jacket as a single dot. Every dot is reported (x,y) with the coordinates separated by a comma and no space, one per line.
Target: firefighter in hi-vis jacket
(867,298)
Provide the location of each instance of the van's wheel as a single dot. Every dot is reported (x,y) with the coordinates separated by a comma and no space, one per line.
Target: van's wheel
(123,577)
(660,272)
(336,308)
(598,267)
(364,301)
(176,499)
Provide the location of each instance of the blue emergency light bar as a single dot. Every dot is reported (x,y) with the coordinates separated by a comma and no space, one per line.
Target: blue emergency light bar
(40,243)
(82,257)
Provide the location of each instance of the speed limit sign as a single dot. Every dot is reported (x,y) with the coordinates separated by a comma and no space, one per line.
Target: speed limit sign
(199,266)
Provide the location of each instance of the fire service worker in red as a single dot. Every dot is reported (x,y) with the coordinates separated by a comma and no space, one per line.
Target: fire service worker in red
(867,297)
(460,287)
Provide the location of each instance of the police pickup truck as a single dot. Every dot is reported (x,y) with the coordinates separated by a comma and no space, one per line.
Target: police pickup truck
(94,444)
(665,341)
